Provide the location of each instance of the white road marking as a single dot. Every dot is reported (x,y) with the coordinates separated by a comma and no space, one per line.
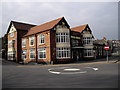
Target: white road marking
(71,69)
(54,72)
(93,68)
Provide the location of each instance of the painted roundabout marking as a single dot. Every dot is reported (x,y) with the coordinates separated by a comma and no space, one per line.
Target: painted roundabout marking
(69,70)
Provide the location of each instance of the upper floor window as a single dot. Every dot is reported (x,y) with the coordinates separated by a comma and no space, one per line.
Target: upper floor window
(87,40)
(23,43)
(11,43)
(31,41)
(63,52)
(24,54)
(32,53)
(42,53)
(62,37)
(12,34)
(41,39)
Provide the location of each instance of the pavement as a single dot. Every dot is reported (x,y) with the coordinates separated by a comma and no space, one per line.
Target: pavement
(100,74)
(101,60)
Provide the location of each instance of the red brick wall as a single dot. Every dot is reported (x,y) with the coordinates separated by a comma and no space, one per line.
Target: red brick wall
(53,45)
(36,46)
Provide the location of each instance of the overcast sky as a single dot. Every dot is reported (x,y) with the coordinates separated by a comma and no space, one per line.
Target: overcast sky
(102,17)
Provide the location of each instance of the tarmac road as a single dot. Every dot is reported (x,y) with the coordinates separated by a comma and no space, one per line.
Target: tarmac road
(38,76)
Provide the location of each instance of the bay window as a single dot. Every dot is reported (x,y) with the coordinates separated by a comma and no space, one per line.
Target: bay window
(87,40)
(63,52)
(11,44)
(62,37)
(88,52)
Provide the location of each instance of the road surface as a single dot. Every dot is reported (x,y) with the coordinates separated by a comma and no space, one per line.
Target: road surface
(105,75)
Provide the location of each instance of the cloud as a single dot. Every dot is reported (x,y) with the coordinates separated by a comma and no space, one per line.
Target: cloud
(102,17)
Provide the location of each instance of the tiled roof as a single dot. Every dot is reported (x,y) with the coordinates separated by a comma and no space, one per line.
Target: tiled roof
(79,28)
(22,26)
(43,27)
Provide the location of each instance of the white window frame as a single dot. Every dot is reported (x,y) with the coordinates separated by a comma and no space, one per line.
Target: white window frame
(24,52)
(62,37)
(41,39)
(62,52)
(10,44)
(42,50)
(88,52)
(24,43)
(32,51)
(30,39)
(87,40)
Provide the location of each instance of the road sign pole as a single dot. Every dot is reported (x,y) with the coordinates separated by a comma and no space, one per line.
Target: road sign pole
(107,48)
(107,56)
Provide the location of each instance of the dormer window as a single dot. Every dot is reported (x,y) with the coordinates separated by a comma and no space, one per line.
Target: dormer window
(12,34)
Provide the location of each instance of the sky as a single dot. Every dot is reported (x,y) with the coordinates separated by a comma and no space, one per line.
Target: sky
(102,17)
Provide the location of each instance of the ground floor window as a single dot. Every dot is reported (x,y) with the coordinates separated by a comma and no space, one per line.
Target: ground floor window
(42,53)
(100,51)
(88,52)
(32,53)
(11,55)
(24,54)
(63,52)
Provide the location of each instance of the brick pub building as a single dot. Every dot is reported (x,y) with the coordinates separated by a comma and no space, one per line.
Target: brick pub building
(51,42)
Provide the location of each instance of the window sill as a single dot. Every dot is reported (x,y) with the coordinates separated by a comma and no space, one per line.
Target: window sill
(42,44)
(32,58)
(62,42)
(24,59)
(63,58)
(24,47)
(41,58)
(31,45)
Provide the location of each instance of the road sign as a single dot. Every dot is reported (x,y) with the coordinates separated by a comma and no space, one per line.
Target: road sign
(106,47)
